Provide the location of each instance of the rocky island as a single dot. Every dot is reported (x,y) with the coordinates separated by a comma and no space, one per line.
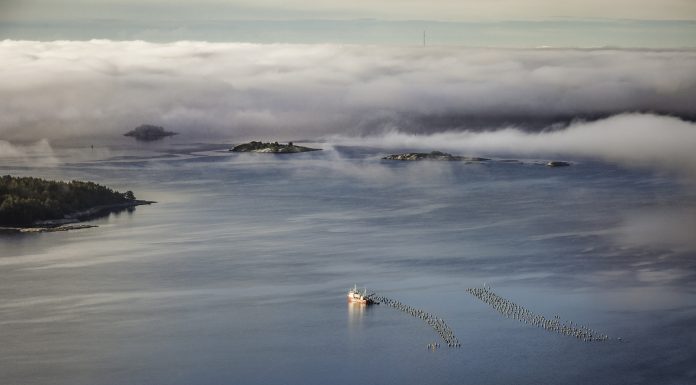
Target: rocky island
(35,205)
(148,132)
(274,147)
(435,155)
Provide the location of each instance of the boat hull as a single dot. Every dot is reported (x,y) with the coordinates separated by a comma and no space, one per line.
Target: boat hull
(356,300)
(359,299)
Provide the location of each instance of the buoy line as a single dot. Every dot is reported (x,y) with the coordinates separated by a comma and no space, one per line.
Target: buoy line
(510,309)
(437,323)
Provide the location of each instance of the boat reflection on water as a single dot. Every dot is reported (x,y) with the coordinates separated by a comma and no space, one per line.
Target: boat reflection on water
(356,314)
(358,303)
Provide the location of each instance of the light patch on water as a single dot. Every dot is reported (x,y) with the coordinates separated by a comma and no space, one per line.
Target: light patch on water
(661,277)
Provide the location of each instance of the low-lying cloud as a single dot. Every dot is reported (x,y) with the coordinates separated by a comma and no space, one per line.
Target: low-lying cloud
(100,88)
(644,140)
(671,227)
(39,153)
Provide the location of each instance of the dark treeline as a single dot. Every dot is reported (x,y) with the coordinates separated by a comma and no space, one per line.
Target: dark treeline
(25,200)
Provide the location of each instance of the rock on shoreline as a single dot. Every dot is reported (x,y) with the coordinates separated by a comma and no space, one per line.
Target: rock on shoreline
(44,229)
(274,147)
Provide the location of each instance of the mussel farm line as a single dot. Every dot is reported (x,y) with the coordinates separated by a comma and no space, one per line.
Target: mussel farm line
(510,309)
(438,324)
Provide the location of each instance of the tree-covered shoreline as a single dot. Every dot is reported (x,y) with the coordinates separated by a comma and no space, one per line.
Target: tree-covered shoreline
(27,200)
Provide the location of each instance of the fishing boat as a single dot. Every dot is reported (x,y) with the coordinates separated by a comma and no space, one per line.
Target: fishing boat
(357,296)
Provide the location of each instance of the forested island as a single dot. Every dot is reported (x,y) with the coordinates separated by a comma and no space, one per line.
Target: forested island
(148,132)
(274,147)
(35,202)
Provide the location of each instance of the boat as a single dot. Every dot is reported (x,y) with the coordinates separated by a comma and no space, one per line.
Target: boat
(357,296)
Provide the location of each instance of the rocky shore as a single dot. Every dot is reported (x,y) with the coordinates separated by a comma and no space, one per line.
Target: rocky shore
(72,221)
(9,230)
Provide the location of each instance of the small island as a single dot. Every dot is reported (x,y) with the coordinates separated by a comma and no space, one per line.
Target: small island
(274,147)
(148,133)
(435,155)
(34,205)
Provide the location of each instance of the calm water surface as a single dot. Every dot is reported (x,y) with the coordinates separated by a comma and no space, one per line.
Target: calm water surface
(238,274)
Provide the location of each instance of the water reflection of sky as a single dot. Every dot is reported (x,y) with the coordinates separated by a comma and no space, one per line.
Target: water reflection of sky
(239,273)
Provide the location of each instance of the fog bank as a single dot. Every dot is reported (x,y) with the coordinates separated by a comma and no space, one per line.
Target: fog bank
(102,88)
(643,140)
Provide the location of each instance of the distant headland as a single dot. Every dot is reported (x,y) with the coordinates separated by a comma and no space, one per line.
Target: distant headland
(274,147)
(148,132)
(34,205)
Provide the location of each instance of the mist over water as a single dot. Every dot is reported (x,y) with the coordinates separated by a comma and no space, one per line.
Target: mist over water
(238,274)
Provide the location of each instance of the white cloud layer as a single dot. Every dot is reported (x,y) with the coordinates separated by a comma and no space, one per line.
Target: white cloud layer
(426,97)
(39,153)
(644,140)
(100,88)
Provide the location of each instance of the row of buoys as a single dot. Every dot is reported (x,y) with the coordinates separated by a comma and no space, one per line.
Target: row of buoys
(438,324)
(510,309)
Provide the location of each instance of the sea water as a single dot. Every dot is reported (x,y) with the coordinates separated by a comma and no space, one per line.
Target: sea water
(239,273)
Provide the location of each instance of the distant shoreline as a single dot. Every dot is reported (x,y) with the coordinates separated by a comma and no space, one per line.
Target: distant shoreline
(72,221)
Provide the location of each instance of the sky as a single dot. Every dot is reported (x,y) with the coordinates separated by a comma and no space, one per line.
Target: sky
(500,23)
(442,10)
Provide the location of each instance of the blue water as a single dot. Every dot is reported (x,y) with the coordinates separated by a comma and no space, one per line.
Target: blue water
(238,274)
